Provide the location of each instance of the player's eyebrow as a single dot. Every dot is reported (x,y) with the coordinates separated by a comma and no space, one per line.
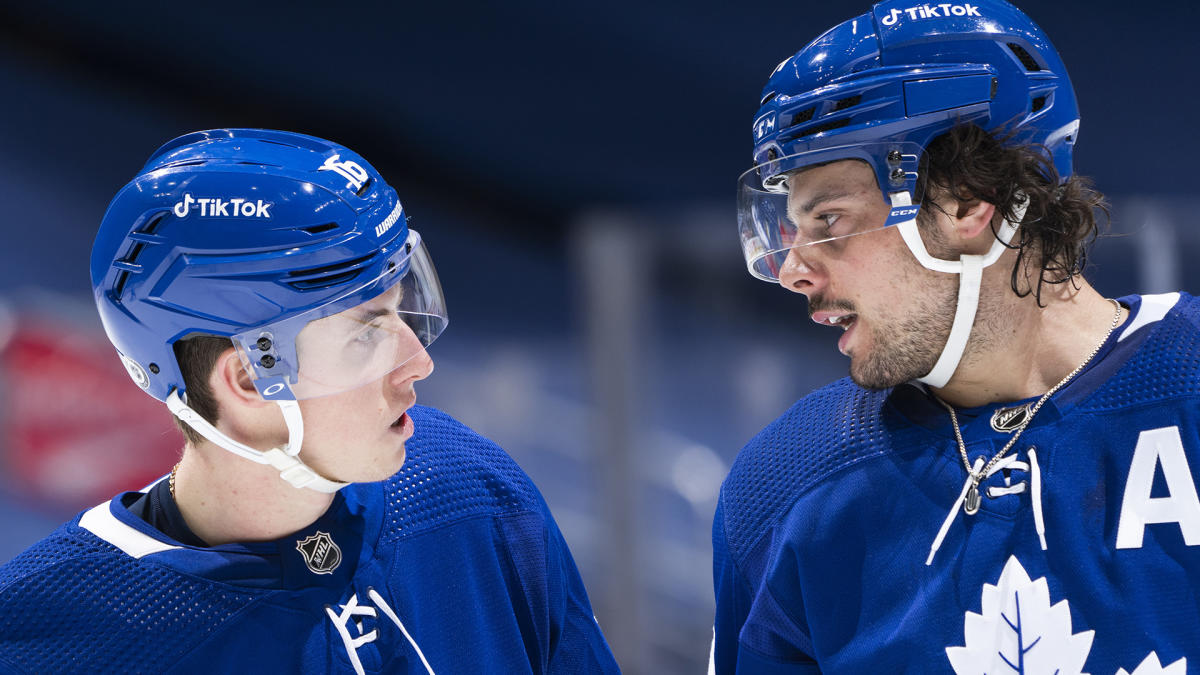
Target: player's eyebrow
(365,315)
(828,195)
(368,314)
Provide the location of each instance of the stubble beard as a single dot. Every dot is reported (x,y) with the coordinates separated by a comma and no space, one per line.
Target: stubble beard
(909,348)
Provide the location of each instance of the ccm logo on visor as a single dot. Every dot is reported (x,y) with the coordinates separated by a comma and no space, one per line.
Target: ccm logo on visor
(934,11)
(215,207)
(900,214)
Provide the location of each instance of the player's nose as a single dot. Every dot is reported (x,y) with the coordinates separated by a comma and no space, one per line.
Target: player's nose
(800,274)
(418,367)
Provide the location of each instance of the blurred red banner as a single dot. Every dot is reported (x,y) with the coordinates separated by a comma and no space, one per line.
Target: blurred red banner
(76,429)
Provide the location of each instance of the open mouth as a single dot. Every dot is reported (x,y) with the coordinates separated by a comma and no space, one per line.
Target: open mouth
(399,421)
(843,321)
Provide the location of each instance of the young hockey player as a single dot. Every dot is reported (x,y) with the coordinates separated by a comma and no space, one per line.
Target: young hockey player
(266,286)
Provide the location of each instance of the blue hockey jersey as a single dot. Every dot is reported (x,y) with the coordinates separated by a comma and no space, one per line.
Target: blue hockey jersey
(829,516)
(453,565)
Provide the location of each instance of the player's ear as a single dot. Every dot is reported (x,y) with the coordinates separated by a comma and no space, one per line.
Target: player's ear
(973,218)
(230,381)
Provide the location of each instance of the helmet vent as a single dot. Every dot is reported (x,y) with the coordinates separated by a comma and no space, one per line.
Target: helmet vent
(1039,103)
(1024,56)
(318,229)
(767,99)
(152,225)
(316,278)
(274,142)
(847,103)
(828,126)
(134,251)
(802,117)
(119,284)
(365,186)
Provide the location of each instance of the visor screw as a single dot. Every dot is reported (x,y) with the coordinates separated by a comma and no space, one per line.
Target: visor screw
(407,248)
(894,157)
(268,361)
(264,344)
(897,175)
(772,155)
(154,368)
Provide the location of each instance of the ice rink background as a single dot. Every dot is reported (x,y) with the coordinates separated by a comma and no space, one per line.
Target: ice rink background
(572,169)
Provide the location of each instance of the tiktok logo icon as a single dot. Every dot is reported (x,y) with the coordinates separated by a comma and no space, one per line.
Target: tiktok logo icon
(934,11)
(215,207)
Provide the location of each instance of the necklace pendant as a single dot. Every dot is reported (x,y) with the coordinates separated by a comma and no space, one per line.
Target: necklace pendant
(971,504)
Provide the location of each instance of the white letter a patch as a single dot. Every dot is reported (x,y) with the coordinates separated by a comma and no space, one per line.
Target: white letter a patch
(1138,509)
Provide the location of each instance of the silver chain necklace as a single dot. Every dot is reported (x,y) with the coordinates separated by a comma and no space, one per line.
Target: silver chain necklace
(971,504)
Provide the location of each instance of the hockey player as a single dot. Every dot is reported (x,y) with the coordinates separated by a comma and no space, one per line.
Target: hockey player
(1007,481)
(265,285)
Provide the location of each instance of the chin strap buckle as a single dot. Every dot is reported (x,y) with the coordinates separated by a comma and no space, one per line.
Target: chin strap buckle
(299,474)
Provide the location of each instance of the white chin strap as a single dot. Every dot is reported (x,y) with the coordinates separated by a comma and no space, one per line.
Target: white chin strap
(970,271)
(291,469)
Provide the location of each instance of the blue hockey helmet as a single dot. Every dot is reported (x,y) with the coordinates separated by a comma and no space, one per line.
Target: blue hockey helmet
(280,241)
(881,86)
(878,89)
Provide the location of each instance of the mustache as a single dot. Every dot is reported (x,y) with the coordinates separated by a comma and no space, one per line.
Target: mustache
(820,304)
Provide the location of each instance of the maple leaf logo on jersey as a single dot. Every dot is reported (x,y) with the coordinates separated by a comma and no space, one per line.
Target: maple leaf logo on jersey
(1152,666)
(1019,631)
(320,553)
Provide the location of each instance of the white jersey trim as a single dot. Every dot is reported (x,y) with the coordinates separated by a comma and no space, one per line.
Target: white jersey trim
(100,521)
(1154,308)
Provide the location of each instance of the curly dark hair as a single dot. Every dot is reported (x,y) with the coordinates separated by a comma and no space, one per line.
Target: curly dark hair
(970,163)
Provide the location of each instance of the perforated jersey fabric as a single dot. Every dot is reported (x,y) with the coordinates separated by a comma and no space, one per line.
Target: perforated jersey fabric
(827,518)
(459,546)
(435,486)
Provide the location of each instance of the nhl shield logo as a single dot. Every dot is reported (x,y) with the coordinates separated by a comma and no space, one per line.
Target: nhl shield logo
(1011,419)
(320,553)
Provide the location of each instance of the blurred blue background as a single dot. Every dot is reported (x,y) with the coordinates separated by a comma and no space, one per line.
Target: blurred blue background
(572,169)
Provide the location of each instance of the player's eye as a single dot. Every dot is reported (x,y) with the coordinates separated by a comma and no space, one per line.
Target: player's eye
(368,335)
(830,219)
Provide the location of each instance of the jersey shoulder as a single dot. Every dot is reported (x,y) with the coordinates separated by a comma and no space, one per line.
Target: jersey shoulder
(1166,363)
(835,427)
(73,598)
(450,472)
(62,546)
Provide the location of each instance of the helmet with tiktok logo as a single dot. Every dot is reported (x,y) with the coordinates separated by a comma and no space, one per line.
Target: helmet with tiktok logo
(879,88)
(292,247)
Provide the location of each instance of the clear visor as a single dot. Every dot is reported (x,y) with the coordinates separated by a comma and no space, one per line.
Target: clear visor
(354,340)
(822,197)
